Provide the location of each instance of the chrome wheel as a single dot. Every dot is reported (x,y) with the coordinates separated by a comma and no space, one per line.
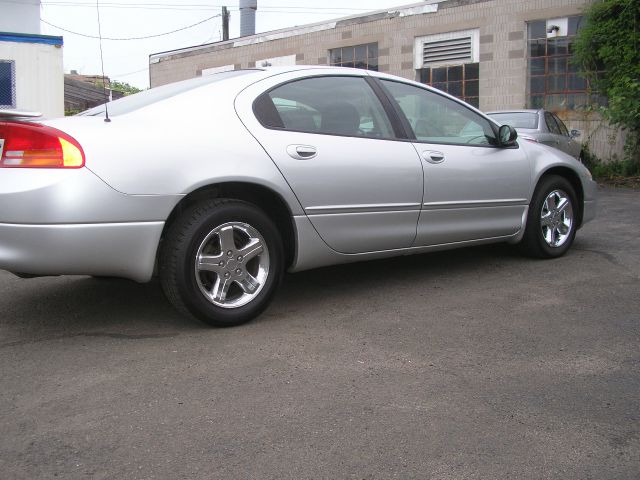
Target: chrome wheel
(232,265)
(556,218)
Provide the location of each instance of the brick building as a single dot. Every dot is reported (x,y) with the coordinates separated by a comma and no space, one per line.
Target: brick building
(494,54)
(82,92)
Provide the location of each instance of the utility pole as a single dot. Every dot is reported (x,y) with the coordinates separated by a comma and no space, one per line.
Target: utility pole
(225,24)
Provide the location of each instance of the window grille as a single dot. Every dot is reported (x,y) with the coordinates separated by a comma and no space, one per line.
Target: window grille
(7,84)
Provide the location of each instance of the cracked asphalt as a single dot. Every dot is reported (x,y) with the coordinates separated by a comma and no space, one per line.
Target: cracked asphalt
(468,364)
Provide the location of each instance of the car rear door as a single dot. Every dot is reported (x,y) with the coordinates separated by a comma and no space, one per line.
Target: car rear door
(569,145)
(553,137)
(330,137)
(472,189)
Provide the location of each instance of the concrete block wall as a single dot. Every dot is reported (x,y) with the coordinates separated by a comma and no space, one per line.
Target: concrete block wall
(503,49)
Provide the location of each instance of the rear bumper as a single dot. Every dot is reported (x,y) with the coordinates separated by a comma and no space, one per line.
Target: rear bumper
(69,222)
(125,250)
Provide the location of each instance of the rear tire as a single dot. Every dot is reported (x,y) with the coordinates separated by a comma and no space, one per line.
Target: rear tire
(221,261)
(551,222)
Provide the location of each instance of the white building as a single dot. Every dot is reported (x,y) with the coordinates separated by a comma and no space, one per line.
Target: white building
(21,16)
(31,66)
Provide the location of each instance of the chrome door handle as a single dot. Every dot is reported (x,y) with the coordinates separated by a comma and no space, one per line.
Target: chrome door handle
(432,156)
(302,152)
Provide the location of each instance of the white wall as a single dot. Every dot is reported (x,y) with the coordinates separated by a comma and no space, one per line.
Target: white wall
(214,70)
(20,16)
(39,76)
(284,61)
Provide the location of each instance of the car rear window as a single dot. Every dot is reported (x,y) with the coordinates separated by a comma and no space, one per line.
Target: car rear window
(134,102)
(517,119)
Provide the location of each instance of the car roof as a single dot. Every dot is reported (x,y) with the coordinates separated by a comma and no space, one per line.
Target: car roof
(295,68)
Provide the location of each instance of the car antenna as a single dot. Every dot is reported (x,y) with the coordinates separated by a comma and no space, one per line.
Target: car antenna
(104,83)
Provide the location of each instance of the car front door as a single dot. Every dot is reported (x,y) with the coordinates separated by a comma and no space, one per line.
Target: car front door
(330,137)
(472,188)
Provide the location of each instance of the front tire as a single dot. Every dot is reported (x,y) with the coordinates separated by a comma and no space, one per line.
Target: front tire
(221,261)
(551,222)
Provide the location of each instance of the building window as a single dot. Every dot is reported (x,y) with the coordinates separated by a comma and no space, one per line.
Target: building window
(7,84)
(461,81)
(450,62)
(359,56)
(553,80)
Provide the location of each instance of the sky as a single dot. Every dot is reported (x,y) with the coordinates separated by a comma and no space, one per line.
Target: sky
(128,61)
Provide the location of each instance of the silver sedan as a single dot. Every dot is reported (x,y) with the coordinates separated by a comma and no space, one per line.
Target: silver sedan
(543,127)
(220,184)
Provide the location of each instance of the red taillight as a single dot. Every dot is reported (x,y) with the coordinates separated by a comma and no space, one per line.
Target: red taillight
(32,145)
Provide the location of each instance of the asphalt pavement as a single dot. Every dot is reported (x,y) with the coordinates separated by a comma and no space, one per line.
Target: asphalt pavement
(469,364)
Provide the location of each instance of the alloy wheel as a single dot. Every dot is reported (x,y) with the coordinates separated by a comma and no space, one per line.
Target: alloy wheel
(232,265)
(556,218)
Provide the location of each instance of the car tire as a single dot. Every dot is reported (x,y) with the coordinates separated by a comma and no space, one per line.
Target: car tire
(221,261)
(551,221)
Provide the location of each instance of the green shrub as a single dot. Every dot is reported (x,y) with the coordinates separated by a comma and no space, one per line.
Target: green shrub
(618,172)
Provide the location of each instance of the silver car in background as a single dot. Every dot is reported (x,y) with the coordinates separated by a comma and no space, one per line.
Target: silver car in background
(543,127)
(220,184)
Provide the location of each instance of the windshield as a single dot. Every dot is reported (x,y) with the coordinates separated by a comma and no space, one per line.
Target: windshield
(517,119)
(131,103)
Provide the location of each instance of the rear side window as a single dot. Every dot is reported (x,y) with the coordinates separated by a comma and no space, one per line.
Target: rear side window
(551,124)
(562,126)
(325,105)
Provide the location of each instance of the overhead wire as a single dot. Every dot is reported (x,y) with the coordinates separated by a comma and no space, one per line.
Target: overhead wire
(131,38)
(170,6)
(290,9)
(130,73)
(190,5)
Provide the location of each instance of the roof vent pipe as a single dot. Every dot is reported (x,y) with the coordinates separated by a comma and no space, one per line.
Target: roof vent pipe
(248,17)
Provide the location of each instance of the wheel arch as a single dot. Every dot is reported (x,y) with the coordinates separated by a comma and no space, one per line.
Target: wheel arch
(574,179)
(272,203)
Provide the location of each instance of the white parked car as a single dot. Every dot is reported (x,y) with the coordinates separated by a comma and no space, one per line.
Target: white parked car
(220,184)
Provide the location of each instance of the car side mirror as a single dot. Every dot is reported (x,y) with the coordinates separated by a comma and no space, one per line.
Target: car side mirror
(575,133)
(507,136)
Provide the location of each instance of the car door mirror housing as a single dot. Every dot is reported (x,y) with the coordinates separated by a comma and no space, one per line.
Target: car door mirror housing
(575,133)
(507,136)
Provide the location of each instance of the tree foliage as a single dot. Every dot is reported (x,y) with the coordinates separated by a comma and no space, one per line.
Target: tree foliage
(124,87)
(608,51)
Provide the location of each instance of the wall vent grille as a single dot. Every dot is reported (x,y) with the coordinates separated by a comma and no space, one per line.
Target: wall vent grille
(452,51)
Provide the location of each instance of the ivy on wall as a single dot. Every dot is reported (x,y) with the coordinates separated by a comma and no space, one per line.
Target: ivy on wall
(608,51)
